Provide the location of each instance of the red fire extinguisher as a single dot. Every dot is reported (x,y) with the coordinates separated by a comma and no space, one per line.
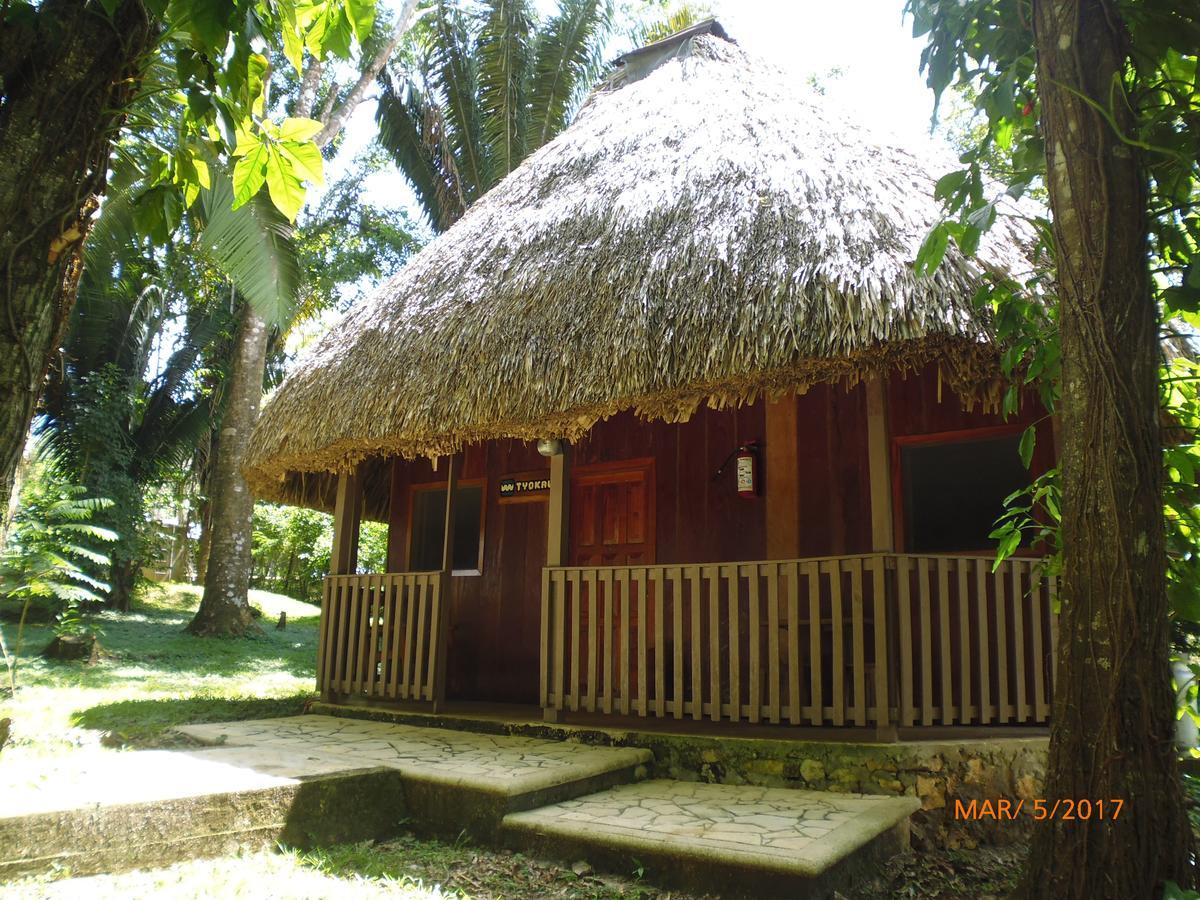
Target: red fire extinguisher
(747,470)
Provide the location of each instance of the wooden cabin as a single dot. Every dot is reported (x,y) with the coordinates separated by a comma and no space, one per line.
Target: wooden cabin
(666,427)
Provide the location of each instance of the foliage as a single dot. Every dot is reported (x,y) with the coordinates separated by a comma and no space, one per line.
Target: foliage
(153,677)
(291,549)
(489,85)
(43,562)
(984,49)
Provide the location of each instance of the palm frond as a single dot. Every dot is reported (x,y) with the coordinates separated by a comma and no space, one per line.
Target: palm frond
(505,55)
(253,246)
(566,58)
(453,64)
(412,131)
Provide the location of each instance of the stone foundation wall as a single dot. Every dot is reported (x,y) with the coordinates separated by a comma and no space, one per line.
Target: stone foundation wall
(938,773)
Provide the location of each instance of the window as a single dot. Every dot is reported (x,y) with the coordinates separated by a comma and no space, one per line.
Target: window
(954,490)
(429,524)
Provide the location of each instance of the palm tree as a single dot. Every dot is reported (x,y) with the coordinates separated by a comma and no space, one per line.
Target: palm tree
(482,91)
(120,420)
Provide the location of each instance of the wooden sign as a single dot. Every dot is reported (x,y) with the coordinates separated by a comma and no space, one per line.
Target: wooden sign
(526,487)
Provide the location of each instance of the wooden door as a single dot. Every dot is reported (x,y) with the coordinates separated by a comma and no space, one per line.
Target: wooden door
(612,514)
(612,524)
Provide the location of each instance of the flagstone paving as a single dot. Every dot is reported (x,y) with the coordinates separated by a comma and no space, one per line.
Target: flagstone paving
(492,763)
(718,834)
(317,779)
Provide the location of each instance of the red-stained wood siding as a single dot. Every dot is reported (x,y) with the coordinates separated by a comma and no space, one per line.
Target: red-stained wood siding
(696,516)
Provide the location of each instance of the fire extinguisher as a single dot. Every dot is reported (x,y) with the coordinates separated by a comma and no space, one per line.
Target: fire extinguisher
(747,469)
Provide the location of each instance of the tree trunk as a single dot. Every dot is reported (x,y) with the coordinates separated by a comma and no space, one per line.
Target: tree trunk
(122,582)
(224,608)
(179,550)
(1111,736)
(67,70)
(205,541)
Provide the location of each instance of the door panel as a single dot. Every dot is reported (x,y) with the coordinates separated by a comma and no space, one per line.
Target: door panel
(612,514)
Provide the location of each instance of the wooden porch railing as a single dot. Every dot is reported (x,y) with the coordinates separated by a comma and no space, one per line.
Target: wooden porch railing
(377,636)
(877,639)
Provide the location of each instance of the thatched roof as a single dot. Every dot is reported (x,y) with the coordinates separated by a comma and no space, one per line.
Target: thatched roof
(703,232)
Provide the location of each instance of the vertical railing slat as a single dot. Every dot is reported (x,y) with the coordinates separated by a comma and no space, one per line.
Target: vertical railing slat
(816,707)
(924,601)
(626,636)
(735,663)
(966,713)
(593,631)
(904,599)
(697,647)
(858,637)
(795,712)
(755,636)
(985,642)
(773,682)
(883,715)
(676,575)
(712,575)
(837,615)
(944,639)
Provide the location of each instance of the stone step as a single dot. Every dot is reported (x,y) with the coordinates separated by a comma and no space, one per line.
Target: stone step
(454,780)
(730,840)
(302,781)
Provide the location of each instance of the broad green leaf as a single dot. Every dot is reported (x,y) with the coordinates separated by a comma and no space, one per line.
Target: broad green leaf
(933,249)
(249,175)
(362,16)
(256,71)
(298,129)
(1028,440)
(283,184)
(305,159)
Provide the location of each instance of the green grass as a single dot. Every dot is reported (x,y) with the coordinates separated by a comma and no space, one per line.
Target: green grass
(153,676)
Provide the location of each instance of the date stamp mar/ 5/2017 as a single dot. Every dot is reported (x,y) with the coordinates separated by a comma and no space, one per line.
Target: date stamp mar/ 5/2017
(1063,809)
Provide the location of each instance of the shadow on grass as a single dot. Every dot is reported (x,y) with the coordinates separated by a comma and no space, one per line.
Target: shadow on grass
(146,723)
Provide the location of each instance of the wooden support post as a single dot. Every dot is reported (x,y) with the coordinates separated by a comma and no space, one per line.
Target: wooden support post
(558,542)
(883,533)
(343,559)
(442,613)
(347,514)
(879,461)
(782,478)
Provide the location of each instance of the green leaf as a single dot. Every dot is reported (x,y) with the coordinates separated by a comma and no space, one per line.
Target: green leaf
(1028,439)
(298,129)
(933,249)
(207,21)
(305,159)
(253,245)
(1008,544)
(256,73)
(249,175)
(285,187)
(362,16)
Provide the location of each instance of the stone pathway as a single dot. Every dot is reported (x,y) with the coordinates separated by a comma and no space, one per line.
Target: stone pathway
(317,779)
(802,831)
(490,763)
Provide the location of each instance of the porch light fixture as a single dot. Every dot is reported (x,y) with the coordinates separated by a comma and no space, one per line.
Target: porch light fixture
(549,446)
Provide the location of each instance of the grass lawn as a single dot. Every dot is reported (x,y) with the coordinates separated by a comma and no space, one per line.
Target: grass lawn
(152,676)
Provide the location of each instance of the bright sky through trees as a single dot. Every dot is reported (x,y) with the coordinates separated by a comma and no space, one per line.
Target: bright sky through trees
(866,40)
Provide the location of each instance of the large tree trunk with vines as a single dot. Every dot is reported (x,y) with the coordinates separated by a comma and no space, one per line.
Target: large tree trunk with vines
(67,70)
(1111,737)
(225,608)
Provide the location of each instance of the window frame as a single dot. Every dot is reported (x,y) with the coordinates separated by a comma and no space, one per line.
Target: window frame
(958,436)
(427,486)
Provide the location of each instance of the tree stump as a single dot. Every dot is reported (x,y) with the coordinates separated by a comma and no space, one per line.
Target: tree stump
(73,647)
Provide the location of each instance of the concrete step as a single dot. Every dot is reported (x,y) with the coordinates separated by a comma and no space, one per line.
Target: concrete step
(730,840)
(302,781)
(453,780)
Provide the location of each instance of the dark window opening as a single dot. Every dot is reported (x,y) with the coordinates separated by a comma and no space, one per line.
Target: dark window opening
(954,492)
(429,527)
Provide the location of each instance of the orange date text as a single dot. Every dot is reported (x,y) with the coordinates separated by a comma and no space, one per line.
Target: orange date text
(1063,810)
